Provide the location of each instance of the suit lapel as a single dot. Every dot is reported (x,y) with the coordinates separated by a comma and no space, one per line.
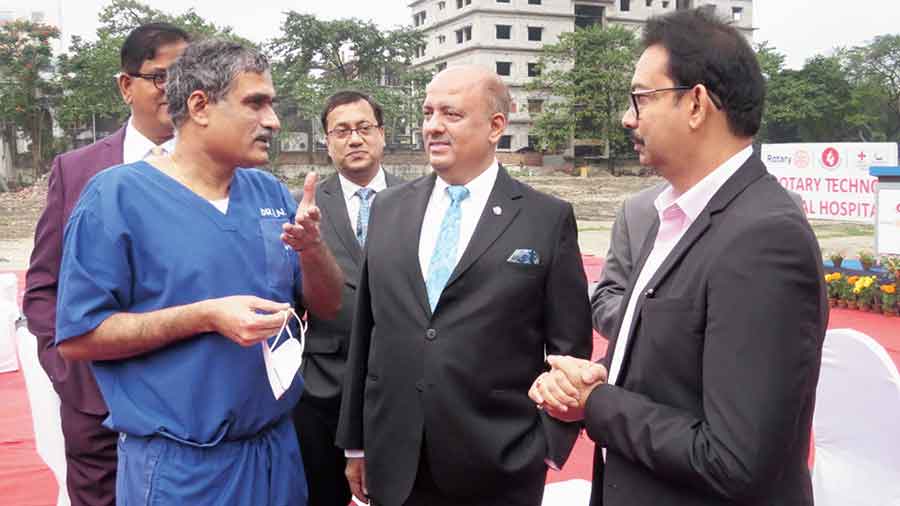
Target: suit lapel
(506,196)
(752,170)
(409,230)
(114,145)
(335,208)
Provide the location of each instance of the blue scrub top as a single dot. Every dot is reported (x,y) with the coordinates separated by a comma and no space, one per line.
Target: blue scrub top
(140,241)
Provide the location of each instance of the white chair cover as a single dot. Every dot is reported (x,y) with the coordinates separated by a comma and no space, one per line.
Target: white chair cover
(9,313)
(44,401)
(856,425)
(567,493)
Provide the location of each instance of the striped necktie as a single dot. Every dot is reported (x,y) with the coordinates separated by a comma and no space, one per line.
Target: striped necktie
(362,218)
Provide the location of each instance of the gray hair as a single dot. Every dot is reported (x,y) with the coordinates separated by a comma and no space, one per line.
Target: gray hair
(209,66)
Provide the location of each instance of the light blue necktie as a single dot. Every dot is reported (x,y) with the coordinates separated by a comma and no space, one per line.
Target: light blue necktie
(362,219)
(443,259)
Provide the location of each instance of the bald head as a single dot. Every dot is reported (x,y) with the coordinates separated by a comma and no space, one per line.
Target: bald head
(481,80)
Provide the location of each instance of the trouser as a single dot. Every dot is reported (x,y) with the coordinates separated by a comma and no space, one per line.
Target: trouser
(263,470)
(316,423)
(90,458)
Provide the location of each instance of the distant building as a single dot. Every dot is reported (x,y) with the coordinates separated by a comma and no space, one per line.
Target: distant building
(508,35)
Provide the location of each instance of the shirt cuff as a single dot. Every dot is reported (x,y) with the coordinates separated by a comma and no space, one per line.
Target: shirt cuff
(354,454)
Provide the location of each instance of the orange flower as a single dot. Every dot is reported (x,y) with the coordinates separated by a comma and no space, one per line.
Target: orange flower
(892,288)
(853,279)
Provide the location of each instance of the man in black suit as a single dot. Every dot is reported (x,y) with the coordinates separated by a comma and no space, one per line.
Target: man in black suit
(469,277)
(353,122)
(713,370)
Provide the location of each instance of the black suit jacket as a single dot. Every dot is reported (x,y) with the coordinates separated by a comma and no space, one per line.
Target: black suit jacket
(714,401)
(325,353)
(460,376)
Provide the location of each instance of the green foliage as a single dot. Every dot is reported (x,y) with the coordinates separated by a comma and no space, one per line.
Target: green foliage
(315,58)
(586,77)
(26,89)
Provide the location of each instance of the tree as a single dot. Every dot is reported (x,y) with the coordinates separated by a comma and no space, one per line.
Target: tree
(586,77)
(315,58)
(874,69)
(27,93)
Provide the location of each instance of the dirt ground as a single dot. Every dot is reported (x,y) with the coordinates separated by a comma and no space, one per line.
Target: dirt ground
(595,200)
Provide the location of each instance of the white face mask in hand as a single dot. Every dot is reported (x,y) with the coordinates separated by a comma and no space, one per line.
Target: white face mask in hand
(283,362)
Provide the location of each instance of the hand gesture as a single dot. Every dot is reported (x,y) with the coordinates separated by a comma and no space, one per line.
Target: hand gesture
(304,232)
(246,319)
(563,391)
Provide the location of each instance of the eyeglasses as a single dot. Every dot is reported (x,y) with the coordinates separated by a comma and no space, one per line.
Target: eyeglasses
(637,94)
(363,130)
(159,79)
(643,93)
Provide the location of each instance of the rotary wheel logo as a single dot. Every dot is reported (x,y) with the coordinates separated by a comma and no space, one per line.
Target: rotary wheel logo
(801,159)
(831,158)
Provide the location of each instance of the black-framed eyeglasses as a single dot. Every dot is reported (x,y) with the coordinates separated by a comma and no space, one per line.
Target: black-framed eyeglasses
(159,79)
(642,93)
(342,132)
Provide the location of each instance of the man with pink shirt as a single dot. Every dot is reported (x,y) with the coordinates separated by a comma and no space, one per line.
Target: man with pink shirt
(706,394)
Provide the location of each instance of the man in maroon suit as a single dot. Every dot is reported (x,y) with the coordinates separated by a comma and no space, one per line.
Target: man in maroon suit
(91,448)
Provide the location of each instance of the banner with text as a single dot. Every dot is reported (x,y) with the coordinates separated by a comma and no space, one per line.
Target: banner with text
(832,178)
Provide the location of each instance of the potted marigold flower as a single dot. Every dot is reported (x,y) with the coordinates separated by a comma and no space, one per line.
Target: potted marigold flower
(866,259)
(836,258)
(864,289)
(848,298)
(889,299)
(832,282)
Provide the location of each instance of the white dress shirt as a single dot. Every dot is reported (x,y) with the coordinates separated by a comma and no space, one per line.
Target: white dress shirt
(470,212)
(136,146)
(353,201)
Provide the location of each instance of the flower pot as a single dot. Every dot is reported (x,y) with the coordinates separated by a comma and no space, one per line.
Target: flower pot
(866,265)
(842,303)
(832,302)
(864,307)
(890,312)
(876,308)
(851,304)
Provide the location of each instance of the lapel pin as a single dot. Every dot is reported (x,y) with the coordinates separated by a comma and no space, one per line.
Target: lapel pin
(497,210)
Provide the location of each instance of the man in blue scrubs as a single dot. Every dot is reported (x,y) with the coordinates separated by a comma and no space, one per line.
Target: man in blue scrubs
(176,273)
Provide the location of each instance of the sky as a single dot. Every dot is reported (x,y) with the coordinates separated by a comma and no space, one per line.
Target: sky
(798,28)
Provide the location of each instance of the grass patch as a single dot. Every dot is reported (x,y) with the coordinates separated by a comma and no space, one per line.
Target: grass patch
(832,230)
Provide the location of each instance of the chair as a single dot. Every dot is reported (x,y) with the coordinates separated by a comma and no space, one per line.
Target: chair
(44,401)
(855,424)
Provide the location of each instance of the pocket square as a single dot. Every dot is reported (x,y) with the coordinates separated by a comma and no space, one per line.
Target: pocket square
(524,256)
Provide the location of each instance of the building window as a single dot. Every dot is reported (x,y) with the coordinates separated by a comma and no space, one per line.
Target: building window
(683,4)
(534,70)
(535,106)
(505,142)
(461,3)
(420,51)
(442,5)
(504,32)
(502,1)
(737,13)
(588,15)
(463,34)
(534,2)
(441,39)
(624,5)
(419,18)
(440,66)
(533,142)
(504,68)
(535,33)
(665,4)
(649,3)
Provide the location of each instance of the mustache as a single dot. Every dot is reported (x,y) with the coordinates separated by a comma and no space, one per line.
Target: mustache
(635,138)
